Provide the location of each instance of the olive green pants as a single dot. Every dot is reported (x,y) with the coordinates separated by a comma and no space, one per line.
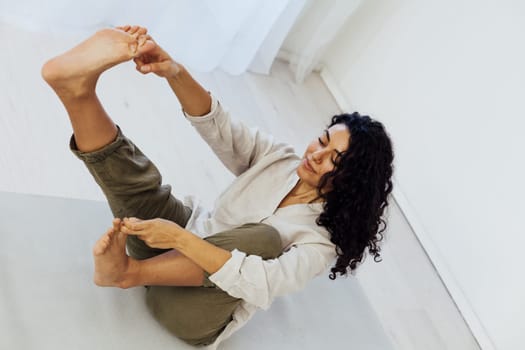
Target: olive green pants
(133,187)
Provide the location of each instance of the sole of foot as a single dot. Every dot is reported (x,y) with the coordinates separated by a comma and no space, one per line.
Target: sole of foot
(77,70)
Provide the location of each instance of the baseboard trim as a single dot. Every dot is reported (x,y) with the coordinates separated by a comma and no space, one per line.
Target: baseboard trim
(435,257)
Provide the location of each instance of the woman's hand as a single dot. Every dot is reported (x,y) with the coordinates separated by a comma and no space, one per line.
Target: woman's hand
(156,233)
(165,234)
(157,61)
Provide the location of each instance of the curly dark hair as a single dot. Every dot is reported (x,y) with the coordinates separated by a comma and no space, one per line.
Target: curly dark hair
(358,192)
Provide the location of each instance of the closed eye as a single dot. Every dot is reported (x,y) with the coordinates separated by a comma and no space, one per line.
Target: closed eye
(337,158)
(327,134)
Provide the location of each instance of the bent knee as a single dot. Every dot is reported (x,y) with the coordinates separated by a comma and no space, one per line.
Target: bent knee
(266,239)
(253,239)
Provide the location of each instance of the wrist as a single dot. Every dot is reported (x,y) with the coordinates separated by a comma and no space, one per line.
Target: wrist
(178,235)
(194,99)
(177,72)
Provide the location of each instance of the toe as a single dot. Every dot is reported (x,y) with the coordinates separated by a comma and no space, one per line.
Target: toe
(110,234)
(142,39)
(142,31)
(121,238)
(116,224)
(101,245)
(125,28)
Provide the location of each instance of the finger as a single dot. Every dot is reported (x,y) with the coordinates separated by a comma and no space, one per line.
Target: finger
(159,68)
(131,220)
(140,71)
(128,231)
(139,62)
(146,68)
(145,45)
(134,224)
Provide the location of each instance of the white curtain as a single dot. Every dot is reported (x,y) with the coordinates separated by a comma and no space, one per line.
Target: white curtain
(315,29)
(233,35)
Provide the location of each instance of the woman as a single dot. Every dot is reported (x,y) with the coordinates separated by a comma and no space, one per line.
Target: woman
(280,223)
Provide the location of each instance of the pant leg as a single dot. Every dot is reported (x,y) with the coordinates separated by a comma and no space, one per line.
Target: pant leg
(198,315)
(133,186)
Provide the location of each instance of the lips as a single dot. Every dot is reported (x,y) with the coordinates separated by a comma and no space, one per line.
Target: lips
(308,166)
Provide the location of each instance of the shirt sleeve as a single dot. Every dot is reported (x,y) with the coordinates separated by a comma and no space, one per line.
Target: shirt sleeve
(259,281)
(237,146)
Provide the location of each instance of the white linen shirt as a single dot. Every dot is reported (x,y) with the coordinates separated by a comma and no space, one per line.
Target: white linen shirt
(266,172)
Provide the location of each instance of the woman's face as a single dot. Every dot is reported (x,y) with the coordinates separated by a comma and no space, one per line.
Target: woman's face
(321,154)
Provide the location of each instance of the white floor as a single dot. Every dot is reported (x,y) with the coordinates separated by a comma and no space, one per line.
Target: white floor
(49,302)
(398,304)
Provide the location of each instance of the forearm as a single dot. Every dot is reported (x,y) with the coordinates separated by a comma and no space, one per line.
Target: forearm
(182,266)
(206,255)
(194,99)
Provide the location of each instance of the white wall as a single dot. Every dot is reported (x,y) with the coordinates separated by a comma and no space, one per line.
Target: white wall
(446,78)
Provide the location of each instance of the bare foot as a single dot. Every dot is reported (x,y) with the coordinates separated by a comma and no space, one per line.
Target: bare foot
(111,261)
(76,71)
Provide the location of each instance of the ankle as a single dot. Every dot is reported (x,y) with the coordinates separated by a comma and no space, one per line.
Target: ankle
(130,278)
(67,87)
(68,95)
(75,89)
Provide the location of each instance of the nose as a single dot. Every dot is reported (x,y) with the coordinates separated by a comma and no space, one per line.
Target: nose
(317,156)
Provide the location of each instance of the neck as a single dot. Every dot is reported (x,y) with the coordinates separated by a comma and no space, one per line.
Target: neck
(303,192)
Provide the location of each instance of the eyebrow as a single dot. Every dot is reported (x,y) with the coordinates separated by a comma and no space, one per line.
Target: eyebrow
(339,153)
